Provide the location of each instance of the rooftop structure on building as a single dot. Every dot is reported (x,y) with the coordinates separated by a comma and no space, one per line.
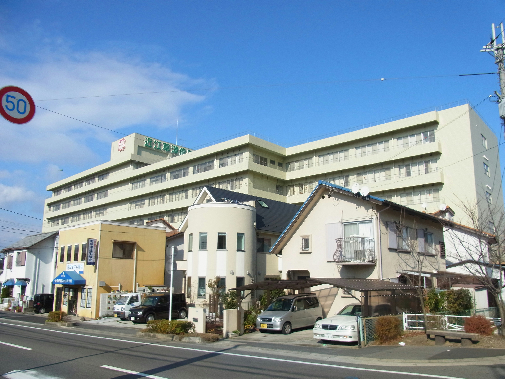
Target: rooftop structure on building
(424,162)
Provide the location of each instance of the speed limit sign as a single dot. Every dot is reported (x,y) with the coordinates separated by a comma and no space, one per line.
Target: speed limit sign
(17,105)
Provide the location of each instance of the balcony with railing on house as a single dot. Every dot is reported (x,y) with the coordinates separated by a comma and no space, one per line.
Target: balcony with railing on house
(355,251)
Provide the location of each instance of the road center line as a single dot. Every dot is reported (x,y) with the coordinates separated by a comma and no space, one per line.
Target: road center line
(240,355)
(17,346)
(132,372)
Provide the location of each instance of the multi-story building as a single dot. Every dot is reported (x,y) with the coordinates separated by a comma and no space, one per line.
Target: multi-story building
(427,161)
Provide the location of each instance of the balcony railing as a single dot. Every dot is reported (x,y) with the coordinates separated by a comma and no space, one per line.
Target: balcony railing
(355,250)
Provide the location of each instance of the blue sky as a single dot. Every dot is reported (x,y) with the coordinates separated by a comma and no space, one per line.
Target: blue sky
(287,71)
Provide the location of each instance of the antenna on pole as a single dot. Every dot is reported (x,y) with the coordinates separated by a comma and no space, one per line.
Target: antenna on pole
(176,131)
(498,50)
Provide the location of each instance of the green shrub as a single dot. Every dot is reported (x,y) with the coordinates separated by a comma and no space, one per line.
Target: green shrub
(269,296)
(478,324)
(250,316)
(230,300)
(459,302)
(56,316)
(435,301)
(388,328)
(170,327)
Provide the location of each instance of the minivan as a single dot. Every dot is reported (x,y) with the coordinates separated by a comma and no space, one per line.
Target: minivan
(43,302)
(155,306)
(290,312)
(124,304)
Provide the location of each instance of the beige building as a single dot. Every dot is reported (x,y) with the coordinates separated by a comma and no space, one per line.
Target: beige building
(101,257)
(341,234)
(229,235)
(424,162)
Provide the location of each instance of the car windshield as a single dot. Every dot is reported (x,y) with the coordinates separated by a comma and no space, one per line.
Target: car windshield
(150,300)
(350,310)
(280,305)
(122,300)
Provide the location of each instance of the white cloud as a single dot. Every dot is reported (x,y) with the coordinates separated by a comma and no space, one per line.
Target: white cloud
(99,88)
(14,194)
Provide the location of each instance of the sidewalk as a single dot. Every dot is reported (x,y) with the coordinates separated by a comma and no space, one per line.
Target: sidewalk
(300,344)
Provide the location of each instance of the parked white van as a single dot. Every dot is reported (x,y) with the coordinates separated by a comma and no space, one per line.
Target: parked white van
(124,303)
(290,312)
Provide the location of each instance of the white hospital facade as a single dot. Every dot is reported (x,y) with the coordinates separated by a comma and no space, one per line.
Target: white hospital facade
(424,161)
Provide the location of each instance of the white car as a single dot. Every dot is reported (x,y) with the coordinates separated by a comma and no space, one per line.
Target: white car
(343,327)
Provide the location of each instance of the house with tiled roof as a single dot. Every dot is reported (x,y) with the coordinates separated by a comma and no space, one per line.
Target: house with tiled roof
(228,235)
(29,265)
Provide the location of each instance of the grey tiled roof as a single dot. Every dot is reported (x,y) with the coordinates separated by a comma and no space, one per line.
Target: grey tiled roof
(275,218)
(29,241)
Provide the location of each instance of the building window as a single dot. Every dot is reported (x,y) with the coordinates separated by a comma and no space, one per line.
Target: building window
(76,202)
(486,169)
(123,250)
(69,253)
(181,173)
(239,282)
(89,181)
(203,167)
(157,179)
(203,241)
(190,242)
(100,212)
(157,200)
(260,160)
(137,204)
(429,243)
(263,245)
(201,287)
(10,258)
(89,296)
(221,241)
(103,176)
(489,198)
(65,205)
(83,251)
(221,286)
(484,141)
(87,215)
(138,184)
(62,254)
(305,244)
(21,258)
(89,197)
(76,252)
(240,242)
(102,194)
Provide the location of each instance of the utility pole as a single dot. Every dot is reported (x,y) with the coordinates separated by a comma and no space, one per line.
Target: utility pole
(498,50)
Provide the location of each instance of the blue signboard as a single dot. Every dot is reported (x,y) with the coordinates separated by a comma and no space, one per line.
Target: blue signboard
(92,251)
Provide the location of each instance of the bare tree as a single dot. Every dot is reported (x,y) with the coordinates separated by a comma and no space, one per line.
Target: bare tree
(417,258)
(478,249)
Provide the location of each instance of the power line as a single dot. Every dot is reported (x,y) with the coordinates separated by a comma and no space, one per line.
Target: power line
(266,85)
(20,214)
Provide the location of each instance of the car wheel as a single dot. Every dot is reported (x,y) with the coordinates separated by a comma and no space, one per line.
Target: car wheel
(149,317)
(286,328)
(42,311)
(183,314)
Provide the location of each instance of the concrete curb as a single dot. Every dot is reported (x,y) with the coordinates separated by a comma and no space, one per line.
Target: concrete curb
(169,337)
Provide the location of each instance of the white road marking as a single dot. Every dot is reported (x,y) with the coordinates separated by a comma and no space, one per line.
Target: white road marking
(132,372)
(240,355)
(18,346)
(27,374)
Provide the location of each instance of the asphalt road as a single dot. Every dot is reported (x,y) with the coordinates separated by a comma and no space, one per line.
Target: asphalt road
(31,350)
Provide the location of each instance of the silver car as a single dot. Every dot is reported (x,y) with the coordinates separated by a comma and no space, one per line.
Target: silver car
(290,312)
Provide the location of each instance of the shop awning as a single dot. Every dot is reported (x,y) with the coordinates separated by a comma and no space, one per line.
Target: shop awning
(21,283)
(70,278)
(9,282)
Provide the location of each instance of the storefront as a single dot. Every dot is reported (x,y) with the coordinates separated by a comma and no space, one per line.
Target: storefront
(67,295)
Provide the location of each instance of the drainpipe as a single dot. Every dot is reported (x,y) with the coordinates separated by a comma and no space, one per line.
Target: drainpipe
(135,271)
(171,281)
(379,250)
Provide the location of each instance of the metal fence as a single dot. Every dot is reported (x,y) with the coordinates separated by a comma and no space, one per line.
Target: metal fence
(413,321)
